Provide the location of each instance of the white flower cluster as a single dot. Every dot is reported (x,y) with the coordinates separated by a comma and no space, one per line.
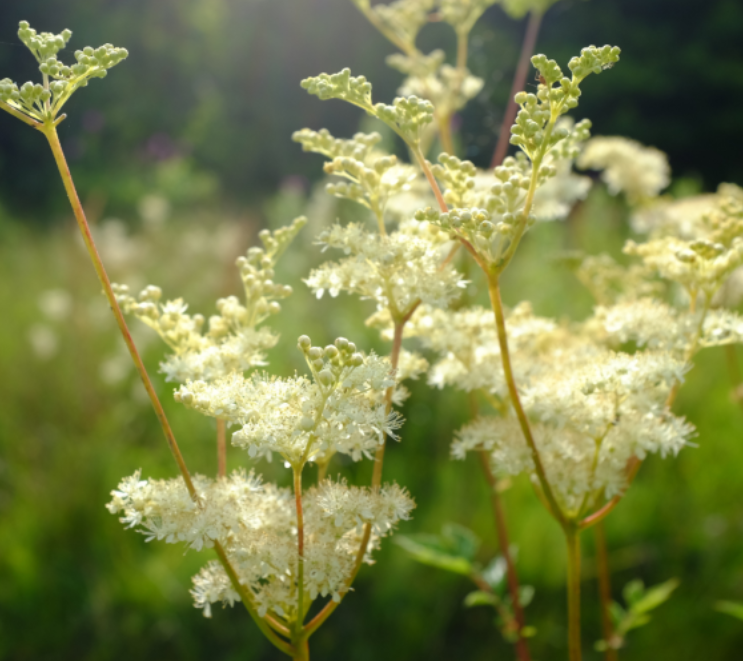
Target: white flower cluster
(589,418)
(466,342)
(395,270)
(256,524)
(232,343)
(342,410)
(591,409)
(629,167)
(656,325)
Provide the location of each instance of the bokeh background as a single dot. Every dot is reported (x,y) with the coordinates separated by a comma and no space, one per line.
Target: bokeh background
(181,155)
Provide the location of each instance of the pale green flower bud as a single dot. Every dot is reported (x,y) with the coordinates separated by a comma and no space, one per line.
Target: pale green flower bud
(304,343)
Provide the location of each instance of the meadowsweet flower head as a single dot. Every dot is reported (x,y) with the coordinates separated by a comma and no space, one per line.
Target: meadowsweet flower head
(341,409)
(256,524)
(395,270)
(610,282)
(403,18)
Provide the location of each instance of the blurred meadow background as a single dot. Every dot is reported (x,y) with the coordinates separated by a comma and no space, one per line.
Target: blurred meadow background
(180,158)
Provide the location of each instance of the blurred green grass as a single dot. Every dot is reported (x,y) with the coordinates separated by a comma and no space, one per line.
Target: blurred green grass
(75,585)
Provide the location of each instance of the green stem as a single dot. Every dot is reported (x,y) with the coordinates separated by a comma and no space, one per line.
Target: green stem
(50,132)
(247,600)
(500,324)
(604,576)
(302,652)
(447,142)
(22,116)
(462,48)
(300,547)
(314,624)
(572,537)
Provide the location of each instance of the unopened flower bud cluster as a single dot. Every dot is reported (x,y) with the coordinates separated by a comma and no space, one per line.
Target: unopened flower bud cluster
(44,101)
(233,341)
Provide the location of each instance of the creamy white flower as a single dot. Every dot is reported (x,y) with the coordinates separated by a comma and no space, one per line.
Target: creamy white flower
(342,411)
(628,166)
(394,270)
(256,524)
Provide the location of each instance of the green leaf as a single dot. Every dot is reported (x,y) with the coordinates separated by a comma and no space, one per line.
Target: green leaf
(453,550)
(731,608)
(655,596)
(481,598)
(460,540)
(633,592)
(426,549)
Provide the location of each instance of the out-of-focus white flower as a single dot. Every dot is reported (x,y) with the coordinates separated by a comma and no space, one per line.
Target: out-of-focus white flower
(44,341)
(639,172)
(56,304)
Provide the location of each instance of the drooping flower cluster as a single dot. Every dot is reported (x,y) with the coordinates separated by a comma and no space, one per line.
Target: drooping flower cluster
(233,341)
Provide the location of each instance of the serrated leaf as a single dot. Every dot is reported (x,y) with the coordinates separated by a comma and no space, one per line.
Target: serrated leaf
(481,598)
(731,608)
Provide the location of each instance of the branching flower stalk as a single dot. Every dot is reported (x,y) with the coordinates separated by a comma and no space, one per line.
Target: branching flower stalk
(39,107)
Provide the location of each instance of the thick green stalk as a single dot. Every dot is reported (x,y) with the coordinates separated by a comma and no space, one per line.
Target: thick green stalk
(572,537)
